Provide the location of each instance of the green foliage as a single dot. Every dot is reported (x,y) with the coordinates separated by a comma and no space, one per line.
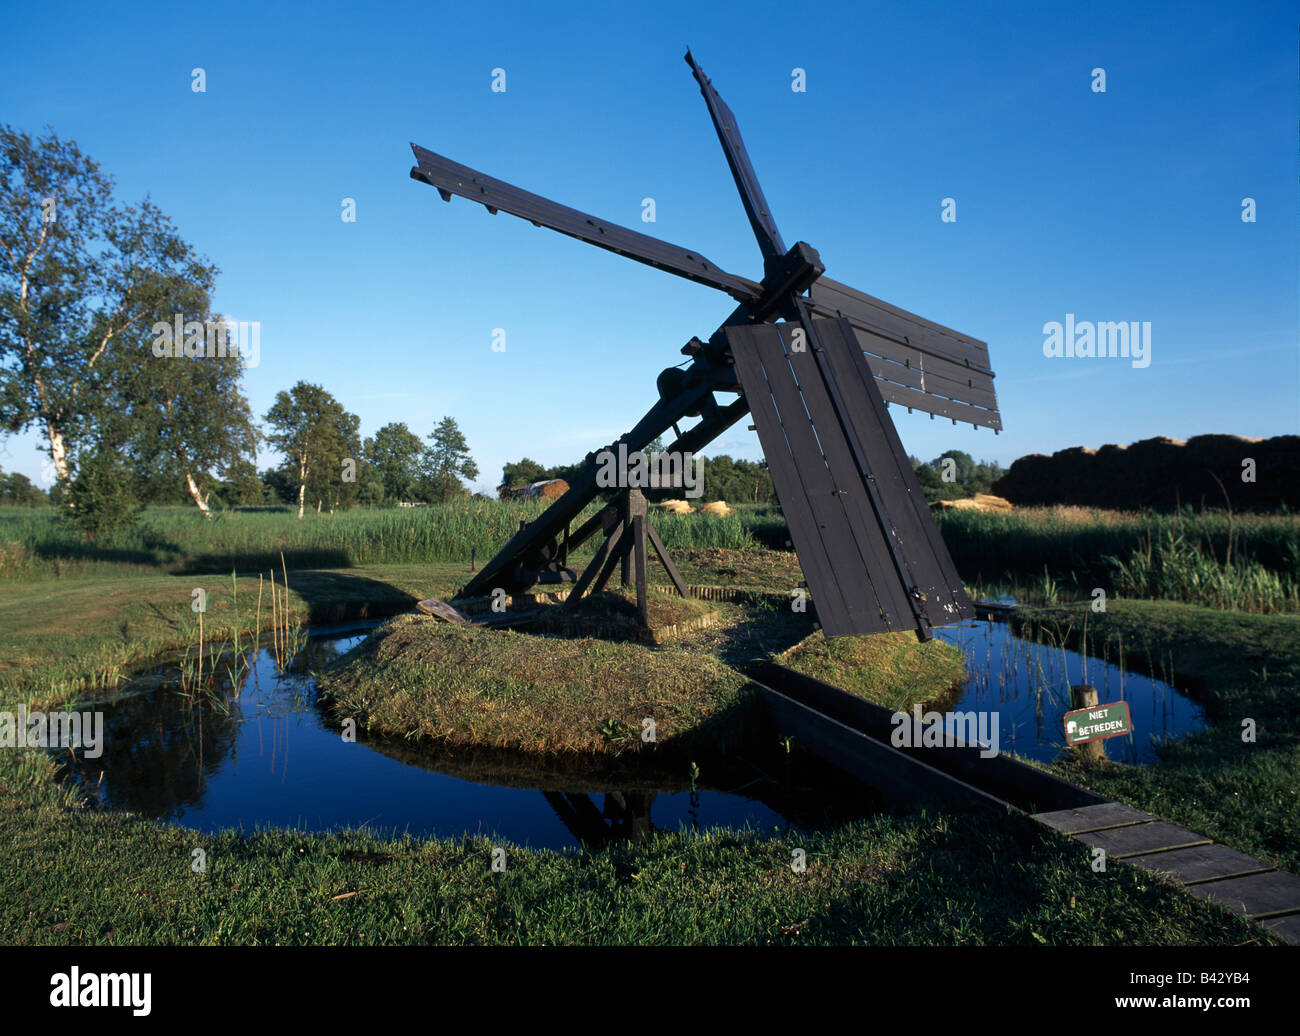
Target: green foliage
(446,462)
(393,458)
(81,277)
(318,438)
(17,490)
(737,481)
(100,497)
(1171,566)
(965,476)
(524,473)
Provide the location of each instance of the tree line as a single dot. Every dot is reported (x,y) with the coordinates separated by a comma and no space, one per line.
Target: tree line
(110,348)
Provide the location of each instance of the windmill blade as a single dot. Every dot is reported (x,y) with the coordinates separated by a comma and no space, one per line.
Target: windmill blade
(453,178)
(917,363)
(751,194)
(867,544)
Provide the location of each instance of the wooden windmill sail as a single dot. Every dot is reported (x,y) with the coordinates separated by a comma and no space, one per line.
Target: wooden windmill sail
(816,362)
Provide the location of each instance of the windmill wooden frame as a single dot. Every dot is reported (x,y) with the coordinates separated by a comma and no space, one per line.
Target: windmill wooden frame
(817,363)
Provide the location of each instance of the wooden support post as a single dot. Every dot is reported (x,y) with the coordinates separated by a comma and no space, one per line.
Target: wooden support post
(590,572)
(625,573)
(620,553)
(667,562)
(1084,696)
(637,515)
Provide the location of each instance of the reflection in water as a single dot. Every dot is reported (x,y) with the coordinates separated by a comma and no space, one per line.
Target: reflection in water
(1028,684)
(262,755)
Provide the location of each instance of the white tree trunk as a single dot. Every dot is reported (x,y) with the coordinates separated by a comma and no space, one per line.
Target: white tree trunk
(200,498)
(58,450)
(302,482)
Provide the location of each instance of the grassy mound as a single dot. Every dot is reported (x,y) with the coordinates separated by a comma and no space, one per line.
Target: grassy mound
(418,679)
(613,615)
(890,669)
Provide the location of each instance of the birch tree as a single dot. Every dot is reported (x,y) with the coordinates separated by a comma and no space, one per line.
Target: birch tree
(78,272)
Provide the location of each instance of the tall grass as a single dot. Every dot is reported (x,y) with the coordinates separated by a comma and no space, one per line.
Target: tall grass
(1079,541)
(36,544)
(1171,566)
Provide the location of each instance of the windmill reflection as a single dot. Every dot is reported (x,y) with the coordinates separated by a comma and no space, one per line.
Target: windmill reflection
(625,817)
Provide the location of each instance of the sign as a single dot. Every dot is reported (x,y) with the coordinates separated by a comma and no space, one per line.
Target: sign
(1097,723)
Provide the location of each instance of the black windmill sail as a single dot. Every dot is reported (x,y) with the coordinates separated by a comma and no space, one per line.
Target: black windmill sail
(816,362)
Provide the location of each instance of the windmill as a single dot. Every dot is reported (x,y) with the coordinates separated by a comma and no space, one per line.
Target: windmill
(816,362)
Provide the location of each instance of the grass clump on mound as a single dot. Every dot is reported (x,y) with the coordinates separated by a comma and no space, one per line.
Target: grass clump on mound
(613,614)
(463,686)
(890,669)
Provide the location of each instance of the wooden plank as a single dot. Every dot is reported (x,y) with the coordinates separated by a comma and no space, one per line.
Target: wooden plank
(928,564)
(441,609)
(592,570)
(1122,842)
(1092,818)
(751,194)
(897,363)
(666,561)
(617,555)
(881,317)
(804,531)
(637,513)
(441,172)
(1287,927)
(1023,786)
(1273,893)
(847,522)
(929,404)
(847,488)
(873,762)
(1200,863)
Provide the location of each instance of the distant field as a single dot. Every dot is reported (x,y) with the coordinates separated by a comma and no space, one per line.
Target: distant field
(1245,562)
(37,544)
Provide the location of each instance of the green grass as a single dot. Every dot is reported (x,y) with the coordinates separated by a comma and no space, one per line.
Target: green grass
(1240,667)
(36,544)
(1085,544)
(61,637)
(1173,567)
(70,876)
(422,680)
(893,670)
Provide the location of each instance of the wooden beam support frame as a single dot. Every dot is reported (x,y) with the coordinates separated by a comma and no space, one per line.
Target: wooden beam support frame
(629,532)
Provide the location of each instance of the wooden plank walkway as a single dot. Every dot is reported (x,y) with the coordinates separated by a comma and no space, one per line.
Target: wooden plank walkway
(1258,892)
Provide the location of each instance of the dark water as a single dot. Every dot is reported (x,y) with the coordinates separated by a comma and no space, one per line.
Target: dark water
(1028,685)
(264,757)
(261,755)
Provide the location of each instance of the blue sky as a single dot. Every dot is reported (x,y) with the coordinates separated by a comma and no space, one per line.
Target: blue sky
(1124,205)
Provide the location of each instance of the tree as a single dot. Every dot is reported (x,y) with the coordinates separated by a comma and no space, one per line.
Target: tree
(241,485)
(317,436)
(77,272)
(955,475)
(523,473)
(189,422)
(17,489)
(279,485)
(101,493)
(393,456)
(446,461)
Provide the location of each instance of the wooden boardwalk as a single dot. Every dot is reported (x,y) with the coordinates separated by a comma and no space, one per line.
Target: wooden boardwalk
(1246,886)
(854,735)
